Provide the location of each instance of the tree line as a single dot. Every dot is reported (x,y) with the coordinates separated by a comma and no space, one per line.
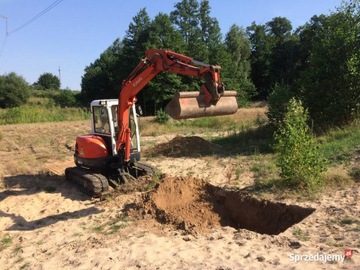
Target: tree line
(317,63)
(15,91)
(189,30)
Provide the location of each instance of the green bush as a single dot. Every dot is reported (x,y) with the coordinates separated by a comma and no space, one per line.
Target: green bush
(46,93)
(66,98)
(14,90)
(161,117)
(278,100)
(298,157)
(48,81)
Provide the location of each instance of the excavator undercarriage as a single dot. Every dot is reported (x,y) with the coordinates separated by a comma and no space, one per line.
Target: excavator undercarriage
(97,183)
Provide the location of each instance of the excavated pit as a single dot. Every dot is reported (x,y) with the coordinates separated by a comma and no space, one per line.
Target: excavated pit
(196,206)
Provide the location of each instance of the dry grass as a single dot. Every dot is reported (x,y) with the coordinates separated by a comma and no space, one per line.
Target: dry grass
(24,148)
(244,116)
(337,176)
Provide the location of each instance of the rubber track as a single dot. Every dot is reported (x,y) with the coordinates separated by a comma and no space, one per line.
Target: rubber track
(92,184)
(145,167)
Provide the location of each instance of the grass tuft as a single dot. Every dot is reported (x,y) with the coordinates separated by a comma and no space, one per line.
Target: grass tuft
(5,242)
(112,226)
(301,235)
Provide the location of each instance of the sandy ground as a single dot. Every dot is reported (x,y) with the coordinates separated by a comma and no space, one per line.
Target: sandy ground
(191,220)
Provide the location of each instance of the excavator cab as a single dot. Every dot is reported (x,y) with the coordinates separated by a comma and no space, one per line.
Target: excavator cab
(95,149)
(105,124)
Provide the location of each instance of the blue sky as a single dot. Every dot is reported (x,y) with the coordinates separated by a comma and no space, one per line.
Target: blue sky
(74,33)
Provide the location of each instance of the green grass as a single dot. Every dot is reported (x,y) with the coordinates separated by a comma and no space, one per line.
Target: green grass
(112,226)
(37,114)
(340,144)
(207,123)
(5,242)
(349,220)
(248,140)
(301,235)
(355,173)
(150,127)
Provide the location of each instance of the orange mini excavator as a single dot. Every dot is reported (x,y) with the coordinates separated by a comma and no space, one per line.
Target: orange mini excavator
(110,154)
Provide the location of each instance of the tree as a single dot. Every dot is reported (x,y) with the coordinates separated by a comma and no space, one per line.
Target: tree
(211,36)
(261,52)
(238,74)
(330,82)
(274,54)
(135,41)
(162,34)
(186,18)
(14,90)
(298,158)
(285,51)
(280,28)
(102,78)
(48,81)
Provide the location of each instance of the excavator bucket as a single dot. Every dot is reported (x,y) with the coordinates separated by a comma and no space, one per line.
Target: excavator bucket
(186,105)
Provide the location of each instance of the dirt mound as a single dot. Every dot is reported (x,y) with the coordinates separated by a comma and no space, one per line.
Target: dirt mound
(192,146)
(195,206)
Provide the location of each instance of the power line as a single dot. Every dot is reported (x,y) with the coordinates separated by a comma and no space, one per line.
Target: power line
(5,39)
(25,24)
(36,16)
(6,23)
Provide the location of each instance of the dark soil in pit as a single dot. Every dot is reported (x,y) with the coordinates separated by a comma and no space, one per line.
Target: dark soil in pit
(195,206)
(192,146)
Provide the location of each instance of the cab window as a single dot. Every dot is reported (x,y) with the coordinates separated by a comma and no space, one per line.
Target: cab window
(132,124)
(101,120)
(114,115)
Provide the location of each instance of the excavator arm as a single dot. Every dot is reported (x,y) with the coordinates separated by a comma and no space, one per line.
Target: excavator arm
(155,61)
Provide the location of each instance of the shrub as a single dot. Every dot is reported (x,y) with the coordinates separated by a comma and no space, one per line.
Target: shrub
(65,98)
(14,90)
(161,117)
(278,100)
(298,157)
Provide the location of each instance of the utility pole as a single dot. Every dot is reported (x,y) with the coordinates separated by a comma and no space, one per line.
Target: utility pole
(60,75)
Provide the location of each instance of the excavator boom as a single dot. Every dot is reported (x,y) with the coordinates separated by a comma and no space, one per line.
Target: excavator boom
(211,100)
